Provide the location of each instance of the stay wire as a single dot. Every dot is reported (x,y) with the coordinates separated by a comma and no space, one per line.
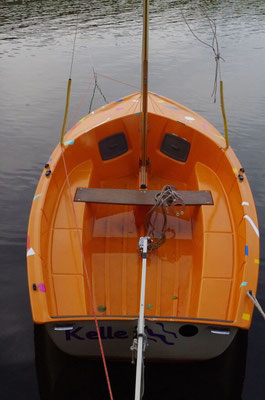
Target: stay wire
(214,46)
(73,51)
(118,81)
(69,86)
(92,300)
(96,86)
(79,105)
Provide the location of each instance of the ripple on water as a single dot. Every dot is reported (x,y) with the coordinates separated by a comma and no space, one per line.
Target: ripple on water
(36,46)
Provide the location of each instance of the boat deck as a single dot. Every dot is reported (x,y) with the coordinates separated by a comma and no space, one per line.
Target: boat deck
(211,256)
(181,282)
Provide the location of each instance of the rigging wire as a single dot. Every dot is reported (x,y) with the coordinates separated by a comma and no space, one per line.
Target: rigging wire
(96,86)
(87,91)
(92,300)
(214,45)
(79,105)
(116,80)
(69,85)
(73,51)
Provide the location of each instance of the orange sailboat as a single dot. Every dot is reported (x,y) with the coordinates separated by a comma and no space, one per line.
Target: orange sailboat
(143,182)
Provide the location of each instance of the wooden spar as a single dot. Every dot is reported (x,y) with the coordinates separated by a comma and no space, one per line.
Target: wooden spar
(138,197)
(143,181)
(66,109)
(224,115)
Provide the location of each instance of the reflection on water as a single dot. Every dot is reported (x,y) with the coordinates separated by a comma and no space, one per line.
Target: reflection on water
(35,51)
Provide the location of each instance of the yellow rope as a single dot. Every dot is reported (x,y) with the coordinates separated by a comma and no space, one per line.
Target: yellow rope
(223,112)
(66,109)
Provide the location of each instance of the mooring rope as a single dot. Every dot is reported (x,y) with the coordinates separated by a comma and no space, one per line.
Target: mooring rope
(167,199)
(256,303)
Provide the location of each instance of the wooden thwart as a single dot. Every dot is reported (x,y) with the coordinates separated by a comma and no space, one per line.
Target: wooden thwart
(138,197)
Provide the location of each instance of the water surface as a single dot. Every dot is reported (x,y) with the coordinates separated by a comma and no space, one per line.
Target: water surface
(36,41)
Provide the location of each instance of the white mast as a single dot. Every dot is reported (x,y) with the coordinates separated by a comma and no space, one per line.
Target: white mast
(141,337)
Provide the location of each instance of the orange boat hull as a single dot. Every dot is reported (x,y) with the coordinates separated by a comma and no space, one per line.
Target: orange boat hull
(199,277)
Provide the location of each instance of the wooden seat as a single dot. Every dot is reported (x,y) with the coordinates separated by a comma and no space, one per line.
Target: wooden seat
(138,197)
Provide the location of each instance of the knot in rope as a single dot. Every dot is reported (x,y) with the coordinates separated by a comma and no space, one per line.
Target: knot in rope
(167,199)
(217,57)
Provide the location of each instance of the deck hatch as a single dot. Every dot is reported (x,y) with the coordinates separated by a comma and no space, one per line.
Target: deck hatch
(113,146)
(175,147)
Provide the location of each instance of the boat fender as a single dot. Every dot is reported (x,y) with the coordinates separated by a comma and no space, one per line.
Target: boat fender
(240,177)
(48,172)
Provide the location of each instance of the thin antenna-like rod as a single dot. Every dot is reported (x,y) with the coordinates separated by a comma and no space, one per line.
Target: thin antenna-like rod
(144,93)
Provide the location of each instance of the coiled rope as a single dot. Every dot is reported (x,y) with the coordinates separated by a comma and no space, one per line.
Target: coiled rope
(167,200)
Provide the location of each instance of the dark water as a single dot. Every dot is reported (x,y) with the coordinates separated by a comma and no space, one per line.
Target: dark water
(36,40)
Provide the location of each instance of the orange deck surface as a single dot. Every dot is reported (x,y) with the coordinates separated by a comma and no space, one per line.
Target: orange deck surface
(211,255)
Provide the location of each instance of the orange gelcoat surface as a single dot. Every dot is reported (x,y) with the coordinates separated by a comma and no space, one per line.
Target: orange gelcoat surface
(210,258)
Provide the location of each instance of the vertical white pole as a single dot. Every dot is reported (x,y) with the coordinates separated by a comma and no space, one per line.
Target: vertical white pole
(143,243)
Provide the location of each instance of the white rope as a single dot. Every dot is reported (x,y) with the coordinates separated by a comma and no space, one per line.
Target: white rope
(255,301)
